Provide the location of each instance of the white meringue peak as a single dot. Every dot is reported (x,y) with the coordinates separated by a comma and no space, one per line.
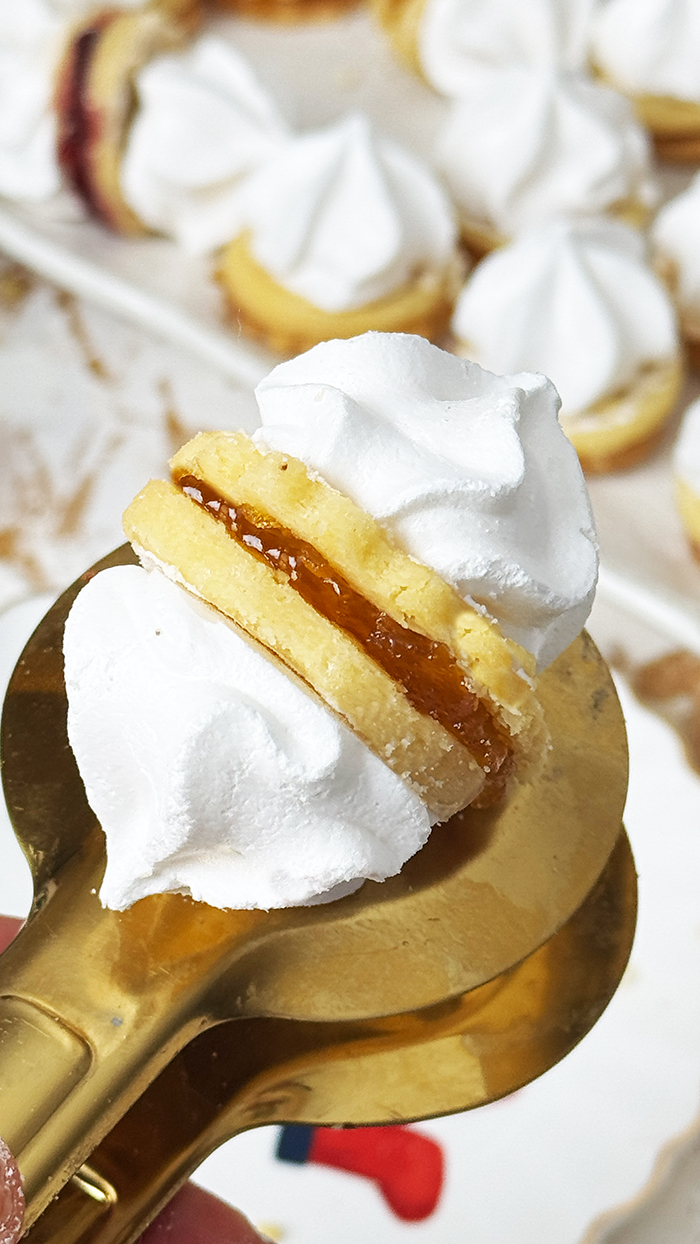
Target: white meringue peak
(203,124)
(343,217)
(460,37)
(650,47)
(575,300)
(523,145)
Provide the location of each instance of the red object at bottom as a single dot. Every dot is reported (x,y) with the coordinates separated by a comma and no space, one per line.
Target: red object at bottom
(406,1165)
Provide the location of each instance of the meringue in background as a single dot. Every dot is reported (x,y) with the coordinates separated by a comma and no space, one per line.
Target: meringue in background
(343,217)
(575,300)
(522,145)
(650,47)
(203,124)
(459,37)
(470,472)
(32,37)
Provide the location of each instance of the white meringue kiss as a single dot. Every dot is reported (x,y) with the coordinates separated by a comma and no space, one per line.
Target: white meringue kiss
(575,300)
(343,217)
(470,472)
(524,145)
(203,124)
(459,37)
(650,47)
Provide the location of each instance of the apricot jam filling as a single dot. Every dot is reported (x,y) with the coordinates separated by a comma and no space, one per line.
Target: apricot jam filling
(425,669)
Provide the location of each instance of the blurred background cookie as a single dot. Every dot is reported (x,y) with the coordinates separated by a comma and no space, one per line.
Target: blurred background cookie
(577,301)
(649,50)
(521,146)
(345,231)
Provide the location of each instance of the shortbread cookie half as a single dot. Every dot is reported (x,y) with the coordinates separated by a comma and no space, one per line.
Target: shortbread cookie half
(425,680)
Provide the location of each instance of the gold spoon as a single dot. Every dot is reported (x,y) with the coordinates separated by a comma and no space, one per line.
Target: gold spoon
(116,1026)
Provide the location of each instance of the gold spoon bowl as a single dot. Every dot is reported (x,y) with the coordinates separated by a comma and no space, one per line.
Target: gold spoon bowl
(132,1043)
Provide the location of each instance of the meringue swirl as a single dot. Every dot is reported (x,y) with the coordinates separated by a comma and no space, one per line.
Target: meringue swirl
(203,124)
(575,300)
(522,146)
(650,47)
(344,217)
(460,37)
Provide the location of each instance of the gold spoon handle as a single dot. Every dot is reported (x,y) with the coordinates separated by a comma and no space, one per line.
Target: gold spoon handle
(250,1072)
(65,1084)
(93,1005)
(148,1155)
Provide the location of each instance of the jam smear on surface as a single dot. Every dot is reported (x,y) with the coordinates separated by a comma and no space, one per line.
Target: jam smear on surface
(431,678)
